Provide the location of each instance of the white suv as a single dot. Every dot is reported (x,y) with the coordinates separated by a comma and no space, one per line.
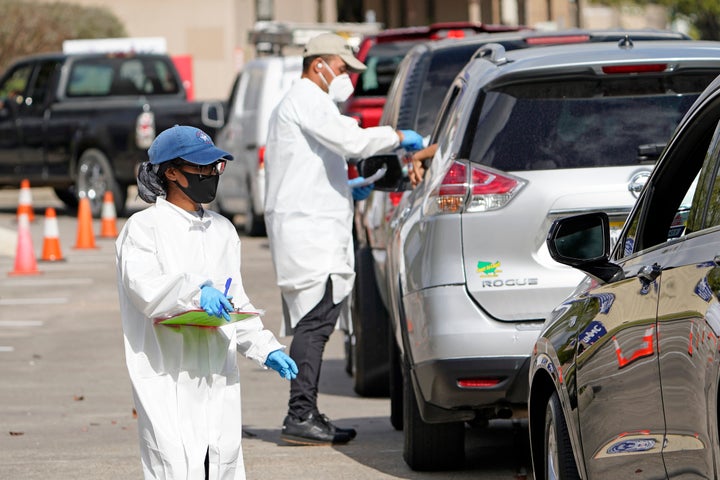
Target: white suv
(524,137)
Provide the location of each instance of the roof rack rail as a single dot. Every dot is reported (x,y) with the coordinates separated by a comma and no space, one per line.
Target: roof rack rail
(493,52)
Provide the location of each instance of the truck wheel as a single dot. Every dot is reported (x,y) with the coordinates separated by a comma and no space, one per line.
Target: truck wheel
(95,177)
(559,459)
(254,223)
(396,386)
(67,196)
(371,331)
(429,446)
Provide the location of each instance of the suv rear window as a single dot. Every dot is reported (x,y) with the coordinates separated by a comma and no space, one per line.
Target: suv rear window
(580,123)
(97,77)
(382,61)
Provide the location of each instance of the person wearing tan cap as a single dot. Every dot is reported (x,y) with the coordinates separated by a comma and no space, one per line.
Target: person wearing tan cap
(308,214)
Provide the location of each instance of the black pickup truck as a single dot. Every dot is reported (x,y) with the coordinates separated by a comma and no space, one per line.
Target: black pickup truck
(82,123)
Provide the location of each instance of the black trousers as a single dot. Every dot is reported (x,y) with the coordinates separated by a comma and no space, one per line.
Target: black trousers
(308,344)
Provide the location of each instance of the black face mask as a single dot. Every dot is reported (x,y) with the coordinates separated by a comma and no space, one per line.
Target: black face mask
(201,188)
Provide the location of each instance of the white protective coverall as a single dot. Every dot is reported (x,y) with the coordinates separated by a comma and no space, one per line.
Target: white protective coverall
(308,204)
(185,380)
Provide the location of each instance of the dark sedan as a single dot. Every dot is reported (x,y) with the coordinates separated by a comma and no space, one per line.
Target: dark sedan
(624,377)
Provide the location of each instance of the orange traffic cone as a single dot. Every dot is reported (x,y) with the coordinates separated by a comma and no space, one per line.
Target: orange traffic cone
(85,235)
(25,201)
(108,228)
(51,243)
(25,263)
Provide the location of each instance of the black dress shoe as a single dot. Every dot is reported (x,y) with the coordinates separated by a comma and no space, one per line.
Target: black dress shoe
(349,431)
(313,430)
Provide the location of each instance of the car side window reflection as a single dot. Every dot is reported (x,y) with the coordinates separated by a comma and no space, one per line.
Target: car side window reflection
(684,198)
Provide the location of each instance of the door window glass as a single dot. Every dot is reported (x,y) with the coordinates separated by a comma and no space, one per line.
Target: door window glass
(16,83)
(42,83)
(684,194)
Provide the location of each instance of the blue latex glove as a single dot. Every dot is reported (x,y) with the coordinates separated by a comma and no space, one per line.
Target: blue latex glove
(411,140)
(214,302)
(282,364)
(359,193)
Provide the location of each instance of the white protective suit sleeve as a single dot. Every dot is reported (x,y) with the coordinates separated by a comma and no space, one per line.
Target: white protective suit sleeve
(343,135)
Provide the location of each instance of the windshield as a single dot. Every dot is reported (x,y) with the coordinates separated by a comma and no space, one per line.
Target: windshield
(580,123)
(382,61)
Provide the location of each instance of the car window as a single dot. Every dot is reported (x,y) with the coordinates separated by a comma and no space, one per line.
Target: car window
(16,82)
(102,76)
(382,62)
(684,194)
(580,123)
(42,82)
(443,69)
(253,94)
(449,115)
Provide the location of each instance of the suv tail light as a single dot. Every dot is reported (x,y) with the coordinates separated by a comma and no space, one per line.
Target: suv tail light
(471,188)
(145,130)
(261,157)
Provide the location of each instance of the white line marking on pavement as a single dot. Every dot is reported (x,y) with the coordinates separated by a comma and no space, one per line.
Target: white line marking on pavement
(6,349)
(21,323)
(37,282)
(32,301)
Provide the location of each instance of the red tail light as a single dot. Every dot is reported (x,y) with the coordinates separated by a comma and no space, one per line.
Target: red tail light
(261,157)
(395,198)
(625,69)
(477,382)
(473,188)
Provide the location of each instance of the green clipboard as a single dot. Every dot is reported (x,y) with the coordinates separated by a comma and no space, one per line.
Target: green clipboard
(198,318)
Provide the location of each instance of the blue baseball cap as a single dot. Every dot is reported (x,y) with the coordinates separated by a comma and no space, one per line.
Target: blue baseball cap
(189,143)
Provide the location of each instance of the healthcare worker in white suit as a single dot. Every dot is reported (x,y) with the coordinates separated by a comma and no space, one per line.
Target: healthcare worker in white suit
(308,214)
(172,257)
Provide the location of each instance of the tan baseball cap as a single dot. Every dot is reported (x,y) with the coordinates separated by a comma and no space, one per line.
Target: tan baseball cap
(332,44)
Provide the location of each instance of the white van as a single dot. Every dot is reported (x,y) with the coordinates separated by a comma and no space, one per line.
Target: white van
(256,92)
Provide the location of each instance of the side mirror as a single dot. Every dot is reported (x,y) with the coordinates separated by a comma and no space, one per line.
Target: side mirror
(583,242)
(213,114)
(394,180)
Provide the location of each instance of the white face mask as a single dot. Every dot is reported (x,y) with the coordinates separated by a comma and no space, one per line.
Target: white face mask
(340,88)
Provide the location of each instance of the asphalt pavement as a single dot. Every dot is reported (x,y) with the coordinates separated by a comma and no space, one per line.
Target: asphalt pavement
(67,410)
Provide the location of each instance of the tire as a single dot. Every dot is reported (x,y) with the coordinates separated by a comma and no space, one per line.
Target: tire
(396,386)
(370,362)
(254,224)
(429,446)
(94,177)
(68,197)
(559,461)
(347,344)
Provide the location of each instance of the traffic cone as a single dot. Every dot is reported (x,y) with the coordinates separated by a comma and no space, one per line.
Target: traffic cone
(108,228)
(85,235)
(51,243)
(25,201)
(25,263)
